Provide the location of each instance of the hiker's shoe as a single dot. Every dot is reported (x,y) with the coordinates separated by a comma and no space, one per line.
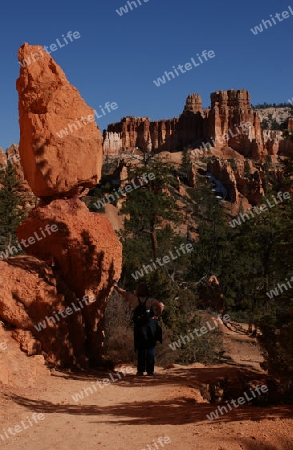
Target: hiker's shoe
(150,374)
(139,374)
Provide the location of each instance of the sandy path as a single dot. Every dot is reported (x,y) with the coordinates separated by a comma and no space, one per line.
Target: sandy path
(131,412)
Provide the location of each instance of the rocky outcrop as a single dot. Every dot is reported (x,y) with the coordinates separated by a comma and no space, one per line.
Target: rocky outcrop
(12,156)
(60,143)
(16,368)
(163,135)
(121,173)
(193,104)
(243,178)
(272,114)
(78,255)
(112,144)
(230,121)
(223,172)
(85,252)
(31,303)
(249,181)
(2,159)
(273,141)
(132,133)
(84,247)
(286,147)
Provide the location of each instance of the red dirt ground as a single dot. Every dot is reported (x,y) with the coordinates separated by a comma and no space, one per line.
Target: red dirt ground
(133,412)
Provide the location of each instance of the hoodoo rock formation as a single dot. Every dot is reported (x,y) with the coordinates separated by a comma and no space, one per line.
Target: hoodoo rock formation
(193,104)
(237,181)
(133,132)
(56,300)
(229,126)
(55,124)
(3,160)
(84,252)
(30,293)
(230,121)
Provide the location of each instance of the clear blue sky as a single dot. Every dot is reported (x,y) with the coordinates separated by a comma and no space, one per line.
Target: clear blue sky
(117,57)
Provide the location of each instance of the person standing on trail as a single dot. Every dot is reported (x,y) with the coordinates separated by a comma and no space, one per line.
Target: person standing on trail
(147,330)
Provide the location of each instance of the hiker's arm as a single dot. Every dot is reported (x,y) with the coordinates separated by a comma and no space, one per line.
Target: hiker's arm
(130,297)
(159,308)
(121,291)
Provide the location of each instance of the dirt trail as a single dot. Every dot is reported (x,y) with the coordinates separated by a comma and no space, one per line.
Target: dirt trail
(131,412)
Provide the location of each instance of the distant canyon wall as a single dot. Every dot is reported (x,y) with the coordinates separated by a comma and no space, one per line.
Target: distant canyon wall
(230,121)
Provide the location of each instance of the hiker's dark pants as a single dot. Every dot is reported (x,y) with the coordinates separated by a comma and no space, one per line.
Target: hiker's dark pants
(146,359)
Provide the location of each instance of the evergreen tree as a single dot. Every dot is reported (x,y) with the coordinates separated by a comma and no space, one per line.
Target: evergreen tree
(212,248)
(185,165)
(11,206)
(276,323)
(149,207)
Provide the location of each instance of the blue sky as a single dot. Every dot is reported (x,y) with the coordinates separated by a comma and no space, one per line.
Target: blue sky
(117,57)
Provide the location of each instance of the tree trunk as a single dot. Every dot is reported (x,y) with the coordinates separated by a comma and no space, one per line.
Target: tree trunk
(154,239)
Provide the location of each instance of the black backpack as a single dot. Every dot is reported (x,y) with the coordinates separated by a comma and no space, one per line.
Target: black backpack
(141,315)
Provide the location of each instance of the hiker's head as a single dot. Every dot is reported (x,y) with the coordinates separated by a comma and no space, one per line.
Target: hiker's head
(142,290)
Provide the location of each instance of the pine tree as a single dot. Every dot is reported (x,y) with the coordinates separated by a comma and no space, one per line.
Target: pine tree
(276,323)
(213,242)
(150,206)
(185,165)
(11,206)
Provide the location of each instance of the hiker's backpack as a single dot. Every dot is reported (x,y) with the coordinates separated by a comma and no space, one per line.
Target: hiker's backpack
(141,315)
